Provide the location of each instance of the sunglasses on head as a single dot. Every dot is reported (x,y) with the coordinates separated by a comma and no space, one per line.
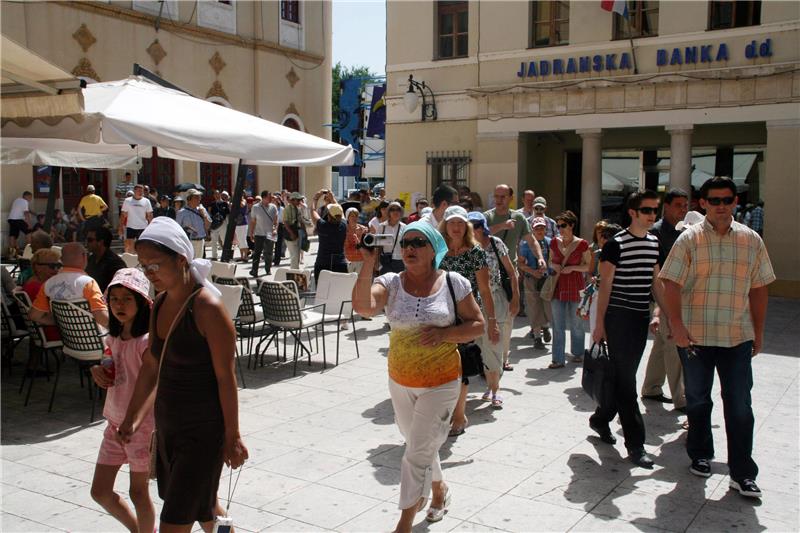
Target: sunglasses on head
(416,242)
(648,210)
(717,200)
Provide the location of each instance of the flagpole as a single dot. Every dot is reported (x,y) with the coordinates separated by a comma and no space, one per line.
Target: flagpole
(630,38)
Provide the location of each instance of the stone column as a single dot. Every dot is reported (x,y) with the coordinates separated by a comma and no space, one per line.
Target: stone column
(680,161)
(591,181)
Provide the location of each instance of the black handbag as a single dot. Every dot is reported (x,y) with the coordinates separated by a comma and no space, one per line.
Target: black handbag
(505,281)
(598,375)
(471,360)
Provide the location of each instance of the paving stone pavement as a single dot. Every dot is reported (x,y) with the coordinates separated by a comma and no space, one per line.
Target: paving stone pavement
(325,452)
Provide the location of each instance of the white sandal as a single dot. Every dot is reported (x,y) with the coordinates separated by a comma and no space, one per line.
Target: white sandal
(436,514)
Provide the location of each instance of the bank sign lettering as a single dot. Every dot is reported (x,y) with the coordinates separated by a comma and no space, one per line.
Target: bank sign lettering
(612,62)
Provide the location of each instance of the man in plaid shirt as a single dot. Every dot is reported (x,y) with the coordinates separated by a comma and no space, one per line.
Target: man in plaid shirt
(715,281)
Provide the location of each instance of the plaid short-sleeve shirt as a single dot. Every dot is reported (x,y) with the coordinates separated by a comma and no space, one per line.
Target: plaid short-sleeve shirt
(716,273)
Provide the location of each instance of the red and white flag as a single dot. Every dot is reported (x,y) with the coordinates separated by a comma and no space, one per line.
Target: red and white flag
(616,6)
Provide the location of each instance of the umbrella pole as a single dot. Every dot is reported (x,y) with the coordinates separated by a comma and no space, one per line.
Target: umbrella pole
(55,175)
(238,190)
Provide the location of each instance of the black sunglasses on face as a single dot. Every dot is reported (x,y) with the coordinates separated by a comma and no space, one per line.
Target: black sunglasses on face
(717,200)
(54,266)
(648,210)
(562,226)
(417,242)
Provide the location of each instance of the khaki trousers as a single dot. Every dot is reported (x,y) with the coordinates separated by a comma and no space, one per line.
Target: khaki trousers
(664,362)
(539,311)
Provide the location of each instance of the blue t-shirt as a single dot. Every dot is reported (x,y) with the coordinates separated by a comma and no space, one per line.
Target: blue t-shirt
(530,258)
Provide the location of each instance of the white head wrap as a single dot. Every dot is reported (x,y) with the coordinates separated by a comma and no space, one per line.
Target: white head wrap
(169,233)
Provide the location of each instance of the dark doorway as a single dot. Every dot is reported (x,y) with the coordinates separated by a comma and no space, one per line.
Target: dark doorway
(75,181)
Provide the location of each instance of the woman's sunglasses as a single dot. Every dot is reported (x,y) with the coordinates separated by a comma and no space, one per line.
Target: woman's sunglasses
(417,242)
(54,266)
(562,226)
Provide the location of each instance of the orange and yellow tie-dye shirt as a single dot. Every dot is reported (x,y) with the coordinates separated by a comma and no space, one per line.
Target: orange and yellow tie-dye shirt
(410,363)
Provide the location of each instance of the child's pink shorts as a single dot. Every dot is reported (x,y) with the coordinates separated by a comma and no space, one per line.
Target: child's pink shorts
(136,452)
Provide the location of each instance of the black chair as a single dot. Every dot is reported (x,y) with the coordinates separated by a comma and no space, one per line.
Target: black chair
(39,349)
(11,335)
(82,338)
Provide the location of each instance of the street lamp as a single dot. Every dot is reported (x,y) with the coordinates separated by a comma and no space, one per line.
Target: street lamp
(411,99)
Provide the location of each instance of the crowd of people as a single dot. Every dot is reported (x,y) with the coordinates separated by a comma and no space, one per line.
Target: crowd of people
(450,278)
(697,281)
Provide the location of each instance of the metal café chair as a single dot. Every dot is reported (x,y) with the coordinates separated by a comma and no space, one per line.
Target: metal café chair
(249,319)
(82,338)
(231,297)
(282,310)
(38,343)
(335,290)
(11,335)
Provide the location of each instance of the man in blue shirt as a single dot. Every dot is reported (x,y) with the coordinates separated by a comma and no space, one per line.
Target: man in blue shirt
(194,219)
(539,310)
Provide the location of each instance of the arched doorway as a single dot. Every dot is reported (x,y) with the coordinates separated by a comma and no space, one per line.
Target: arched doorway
(290,176)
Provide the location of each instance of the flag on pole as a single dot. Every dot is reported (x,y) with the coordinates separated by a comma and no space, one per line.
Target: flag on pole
(616,6)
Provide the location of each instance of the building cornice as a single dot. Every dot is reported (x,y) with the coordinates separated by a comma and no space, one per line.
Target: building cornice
(192,30)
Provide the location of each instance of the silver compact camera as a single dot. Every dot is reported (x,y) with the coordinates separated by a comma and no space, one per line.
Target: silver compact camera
(223,524)
(373,240)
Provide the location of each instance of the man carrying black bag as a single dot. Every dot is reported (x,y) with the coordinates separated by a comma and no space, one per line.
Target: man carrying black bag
(628,265)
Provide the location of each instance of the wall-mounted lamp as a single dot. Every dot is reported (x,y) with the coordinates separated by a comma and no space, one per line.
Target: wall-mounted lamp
(411,99)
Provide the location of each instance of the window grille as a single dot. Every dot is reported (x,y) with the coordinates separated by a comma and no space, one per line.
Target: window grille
(450,168)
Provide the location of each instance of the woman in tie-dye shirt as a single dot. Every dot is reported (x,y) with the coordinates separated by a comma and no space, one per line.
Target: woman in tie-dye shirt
(424,365)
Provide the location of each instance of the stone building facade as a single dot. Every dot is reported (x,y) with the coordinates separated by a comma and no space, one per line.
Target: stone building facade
(582,105)
(270,59)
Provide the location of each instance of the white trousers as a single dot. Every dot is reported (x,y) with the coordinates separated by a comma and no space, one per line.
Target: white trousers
(423,417)
(218,239)
(198,246)
(293,247)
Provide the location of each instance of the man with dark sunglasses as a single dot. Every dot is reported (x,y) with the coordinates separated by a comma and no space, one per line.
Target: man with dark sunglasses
(715,280)
(629,263)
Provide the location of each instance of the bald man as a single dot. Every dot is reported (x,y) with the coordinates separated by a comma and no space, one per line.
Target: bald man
(71,283)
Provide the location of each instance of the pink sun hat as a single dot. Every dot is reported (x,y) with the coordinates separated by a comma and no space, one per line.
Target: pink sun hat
(133,279)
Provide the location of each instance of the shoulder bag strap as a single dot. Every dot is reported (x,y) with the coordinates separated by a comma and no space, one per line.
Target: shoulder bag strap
(494,247)
(171,329)
(396,235)
(568,252)
(453,297)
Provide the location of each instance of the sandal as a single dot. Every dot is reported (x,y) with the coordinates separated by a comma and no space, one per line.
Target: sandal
(555,365)
(455,431)
(497,401)
(487,396)
(436,514)
(507,367)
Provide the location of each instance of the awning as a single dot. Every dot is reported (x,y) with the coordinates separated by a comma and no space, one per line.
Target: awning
(35,89)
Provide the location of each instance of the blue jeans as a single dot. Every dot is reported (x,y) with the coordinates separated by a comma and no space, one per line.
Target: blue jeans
(565,315)
(736,379)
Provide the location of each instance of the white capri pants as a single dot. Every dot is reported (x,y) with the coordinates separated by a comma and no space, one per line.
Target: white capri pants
(423,417)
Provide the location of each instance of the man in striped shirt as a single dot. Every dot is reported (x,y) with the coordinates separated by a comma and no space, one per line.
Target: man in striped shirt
(628,266)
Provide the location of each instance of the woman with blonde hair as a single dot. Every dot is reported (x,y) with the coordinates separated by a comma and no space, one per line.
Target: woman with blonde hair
(467,257)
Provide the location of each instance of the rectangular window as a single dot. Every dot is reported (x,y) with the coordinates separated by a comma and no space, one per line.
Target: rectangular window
(214,176)
(452,20)
(290,10)
(450,168)
(550,20)
(642,20)
(724,15)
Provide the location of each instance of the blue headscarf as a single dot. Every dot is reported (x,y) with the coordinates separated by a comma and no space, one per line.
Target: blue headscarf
(433,236)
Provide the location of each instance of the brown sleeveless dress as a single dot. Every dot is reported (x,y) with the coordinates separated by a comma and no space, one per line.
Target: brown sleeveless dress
(190,424)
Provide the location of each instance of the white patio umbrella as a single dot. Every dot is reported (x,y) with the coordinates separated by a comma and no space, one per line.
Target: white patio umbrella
(124,119)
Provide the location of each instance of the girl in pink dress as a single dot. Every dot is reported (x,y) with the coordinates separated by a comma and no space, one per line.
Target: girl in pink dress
(128,297)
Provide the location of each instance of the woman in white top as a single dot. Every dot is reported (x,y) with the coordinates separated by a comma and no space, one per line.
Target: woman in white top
(422,304)
(392,254)
(380,217)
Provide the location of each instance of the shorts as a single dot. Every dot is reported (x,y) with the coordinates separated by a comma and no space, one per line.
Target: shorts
(16,226)
(131,233)
(136,453)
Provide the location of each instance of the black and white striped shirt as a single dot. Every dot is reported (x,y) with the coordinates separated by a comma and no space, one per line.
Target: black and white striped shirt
(634,258)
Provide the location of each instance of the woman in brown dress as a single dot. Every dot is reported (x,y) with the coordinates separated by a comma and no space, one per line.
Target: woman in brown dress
(194,387)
